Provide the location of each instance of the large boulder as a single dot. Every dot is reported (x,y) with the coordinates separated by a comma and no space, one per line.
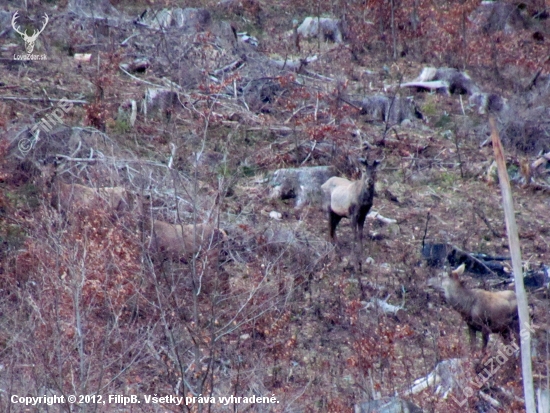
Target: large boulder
(191,18)
(393,110)
(488,102)
(158,101)
(494,16)
(301,184)
(329,29)
(156,19)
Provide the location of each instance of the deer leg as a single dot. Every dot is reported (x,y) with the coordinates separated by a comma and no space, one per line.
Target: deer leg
(472,331)
(506,336)
(356,236)
(360,225)
(514,332)
(485,334)
(510,336)
(334,220)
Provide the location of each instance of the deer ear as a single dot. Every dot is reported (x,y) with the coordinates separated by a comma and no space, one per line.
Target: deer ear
(375,163)
(363,161)
(458,271)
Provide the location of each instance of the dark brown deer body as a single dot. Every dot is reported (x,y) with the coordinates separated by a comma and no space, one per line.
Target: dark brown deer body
(485,311)
(350,199)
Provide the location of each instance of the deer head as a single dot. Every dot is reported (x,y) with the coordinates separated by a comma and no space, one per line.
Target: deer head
(29,40)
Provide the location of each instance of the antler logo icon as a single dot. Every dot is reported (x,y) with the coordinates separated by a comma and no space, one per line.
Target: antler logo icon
(29,40)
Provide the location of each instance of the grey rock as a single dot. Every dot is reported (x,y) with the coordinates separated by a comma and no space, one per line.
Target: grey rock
(388,109)
(491,17)
(158,100)
(301,184)
(488,102)
(329,29)
(191,18)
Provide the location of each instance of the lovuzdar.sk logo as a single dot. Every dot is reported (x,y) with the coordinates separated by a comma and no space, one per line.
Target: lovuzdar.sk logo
(29,40)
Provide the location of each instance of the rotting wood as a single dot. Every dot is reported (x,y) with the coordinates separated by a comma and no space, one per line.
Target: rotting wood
(542,160)
(480,262)
(490,400)
(237,64)
(431,85)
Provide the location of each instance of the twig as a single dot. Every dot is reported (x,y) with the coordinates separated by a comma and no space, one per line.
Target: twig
(351,104)
(425,229)
(296,112)
(539,71)
(388,116)
(482,216)
(273,128)
(42,99)
(458,153)
(309,154)
(237,64)
(317,75)
(543,159)
(490,400)
(68,158)
(316,107)
(128,38)
(77,149)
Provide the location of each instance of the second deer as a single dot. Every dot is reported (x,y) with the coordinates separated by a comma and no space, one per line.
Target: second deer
(485,311)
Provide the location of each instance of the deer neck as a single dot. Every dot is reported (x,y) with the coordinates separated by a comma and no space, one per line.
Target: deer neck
(459,297)
(366,188)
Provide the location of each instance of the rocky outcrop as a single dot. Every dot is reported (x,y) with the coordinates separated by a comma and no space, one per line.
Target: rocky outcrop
(301,184)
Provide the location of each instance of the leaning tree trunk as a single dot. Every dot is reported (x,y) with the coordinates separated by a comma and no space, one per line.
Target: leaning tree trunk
(513,240)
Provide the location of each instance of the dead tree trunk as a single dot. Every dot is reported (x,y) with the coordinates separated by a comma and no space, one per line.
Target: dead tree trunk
(513,240)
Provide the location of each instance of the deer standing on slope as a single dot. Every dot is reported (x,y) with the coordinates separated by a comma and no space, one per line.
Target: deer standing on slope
(485,311)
